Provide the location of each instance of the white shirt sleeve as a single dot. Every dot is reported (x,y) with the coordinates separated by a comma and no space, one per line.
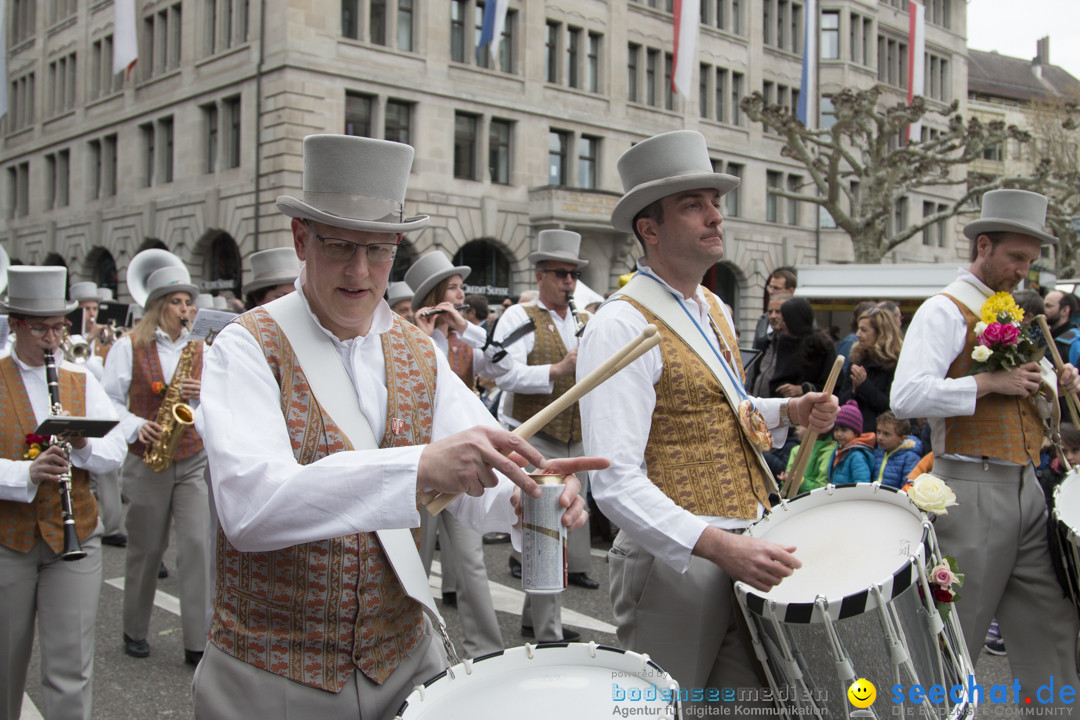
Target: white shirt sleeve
(104,454)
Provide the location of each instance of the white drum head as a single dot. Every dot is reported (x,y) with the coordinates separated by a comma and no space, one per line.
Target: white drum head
(547,681)
(1067,501)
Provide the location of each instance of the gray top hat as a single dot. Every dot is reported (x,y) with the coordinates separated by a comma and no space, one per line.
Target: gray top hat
(561,245)
(1017,211)
(204,301)
(664,165)
(105,295)
(354,182)
(429,271)
(37,291)
(397,292)
(169,280)
(272,267)
(81,291)
(220,303)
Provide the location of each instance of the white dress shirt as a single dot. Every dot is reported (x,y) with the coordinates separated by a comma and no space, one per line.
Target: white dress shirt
(266,500)
(475,337)
(119,372)
(616,419)
(101,455)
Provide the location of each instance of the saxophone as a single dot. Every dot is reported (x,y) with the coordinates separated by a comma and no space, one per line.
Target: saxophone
(173,416)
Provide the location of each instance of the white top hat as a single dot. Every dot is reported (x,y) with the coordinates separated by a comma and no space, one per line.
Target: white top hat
(354,182)
(104,294)
(220,303)
(561,245)
(204,301)
(429,271)
(81,291)
(277,266)
(169,280)
(37,291)
(664,165)
(1016,211)
(397,292)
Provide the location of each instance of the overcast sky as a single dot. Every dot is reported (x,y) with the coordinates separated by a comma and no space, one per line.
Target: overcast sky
(1012,26)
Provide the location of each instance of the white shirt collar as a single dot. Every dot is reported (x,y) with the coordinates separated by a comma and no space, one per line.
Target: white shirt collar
(162,335)
(699,293)
(969,277)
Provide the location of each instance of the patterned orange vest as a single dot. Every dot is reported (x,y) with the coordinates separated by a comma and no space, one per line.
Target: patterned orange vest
(548,348)
(316,612)
(102,350)
(461,359)
(21,524)
(1005,427)
(144,402)
(697,453)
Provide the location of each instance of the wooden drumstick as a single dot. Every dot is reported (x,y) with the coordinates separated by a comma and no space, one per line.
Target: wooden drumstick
(1070,398)
(647,340)
(806,447)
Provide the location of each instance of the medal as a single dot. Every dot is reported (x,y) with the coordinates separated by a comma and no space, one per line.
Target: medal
(754,426)
(397,426)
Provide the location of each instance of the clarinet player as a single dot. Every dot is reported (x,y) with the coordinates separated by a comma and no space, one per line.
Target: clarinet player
(151,365)
(35,584)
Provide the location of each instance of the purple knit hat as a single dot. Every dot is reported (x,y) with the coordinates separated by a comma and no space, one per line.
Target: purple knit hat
(850,417)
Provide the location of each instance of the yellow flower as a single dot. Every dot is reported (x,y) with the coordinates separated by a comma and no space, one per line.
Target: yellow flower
(1000,303)
(34,451)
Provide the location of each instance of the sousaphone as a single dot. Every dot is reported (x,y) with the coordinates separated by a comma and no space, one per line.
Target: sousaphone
(5,262)
(142,266)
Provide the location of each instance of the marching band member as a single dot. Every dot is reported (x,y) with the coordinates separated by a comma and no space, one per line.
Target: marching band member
(399,296)
(300,492)
(154,364)
(34,581)
(273,273)
(684,473)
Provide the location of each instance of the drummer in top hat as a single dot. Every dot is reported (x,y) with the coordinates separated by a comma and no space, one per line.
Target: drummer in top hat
(987,434)
(34,581)
(686,464)
(299,490)
(273,273)
(399,296)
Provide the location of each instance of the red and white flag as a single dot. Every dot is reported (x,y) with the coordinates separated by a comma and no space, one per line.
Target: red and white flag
(916,60)
(125,42)
(687,20)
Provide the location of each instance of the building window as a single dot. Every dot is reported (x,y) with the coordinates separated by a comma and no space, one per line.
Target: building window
(161,35)
(398,121)
(898,221)
(994,153)
(62,81)
(23,20)
(937,81)
(508,42)
(147,133)
(377,21)
(830,35)
(231,112)
(588,154)
(794,185)
(704,71)
(405,24)
(465,146)
(358,114)
(736,97)
(551,49)
(732,198)
(102,79)
(57,170)
(558,157)
(592,64)
(499,151)
(892,61)
(93,186)
(573,56)
(939,12)
(165,142)
(210,118)
(61,10)
(652,61)
(633,61)
(350,21)
(21,98)
(773,181)
(102,168)
(782,26)
(22,189)
(934,234)
(669,91)
(226,24)
(457,30)
(721,94)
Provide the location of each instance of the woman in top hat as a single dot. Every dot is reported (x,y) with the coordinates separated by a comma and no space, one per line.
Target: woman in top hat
(273,273)
(34,581)
(138,376)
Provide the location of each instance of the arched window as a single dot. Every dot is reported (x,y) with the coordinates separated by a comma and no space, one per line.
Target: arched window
(722,281)
(223,266)
(406,256)
(490,274)
(55,260)
(152,244)
(103,269)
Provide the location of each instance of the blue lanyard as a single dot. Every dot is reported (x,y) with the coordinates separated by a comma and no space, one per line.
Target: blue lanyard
(735,379)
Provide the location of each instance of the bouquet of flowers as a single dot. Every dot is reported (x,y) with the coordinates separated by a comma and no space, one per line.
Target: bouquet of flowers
(35,445)
(943,578)
(1003,342)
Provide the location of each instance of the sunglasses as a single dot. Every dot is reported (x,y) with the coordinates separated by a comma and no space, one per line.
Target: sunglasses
(563,274)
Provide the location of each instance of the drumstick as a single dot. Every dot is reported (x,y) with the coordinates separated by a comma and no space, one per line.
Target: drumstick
(806,447)
(1071,399)
(647,340)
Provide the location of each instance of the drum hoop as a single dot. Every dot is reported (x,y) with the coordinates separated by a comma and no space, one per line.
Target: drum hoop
(851,605)
(1073,533)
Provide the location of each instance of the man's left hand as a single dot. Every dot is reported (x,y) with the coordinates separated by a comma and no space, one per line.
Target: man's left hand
(815,410)
(1069,381)
(576,513)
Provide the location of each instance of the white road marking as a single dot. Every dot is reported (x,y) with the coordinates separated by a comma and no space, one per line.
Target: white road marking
(29,710)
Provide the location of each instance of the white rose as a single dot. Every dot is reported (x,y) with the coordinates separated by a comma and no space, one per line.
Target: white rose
(980,328)
(981,354)
(930,494)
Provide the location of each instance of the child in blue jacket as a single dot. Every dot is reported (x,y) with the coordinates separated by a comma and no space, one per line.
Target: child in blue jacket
(897,451)
(853,459)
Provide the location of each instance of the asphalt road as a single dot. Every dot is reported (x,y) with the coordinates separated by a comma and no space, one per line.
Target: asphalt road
(159,686)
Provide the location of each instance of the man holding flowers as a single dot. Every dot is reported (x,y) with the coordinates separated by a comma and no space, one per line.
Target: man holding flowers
(969,367)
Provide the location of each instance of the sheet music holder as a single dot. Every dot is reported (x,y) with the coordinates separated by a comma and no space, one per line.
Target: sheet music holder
(209,321)
(76,426)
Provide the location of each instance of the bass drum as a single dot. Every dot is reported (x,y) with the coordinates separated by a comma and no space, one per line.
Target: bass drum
(1066,521)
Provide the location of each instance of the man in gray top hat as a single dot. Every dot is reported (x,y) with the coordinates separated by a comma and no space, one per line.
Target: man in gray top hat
(273,273)
(399,296)
(987,434)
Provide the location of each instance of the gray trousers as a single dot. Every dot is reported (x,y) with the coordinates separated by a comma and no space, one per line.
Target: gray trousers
(686,622)
(106,487)
(225,688)
(158,500)
(63,597)
(997,533)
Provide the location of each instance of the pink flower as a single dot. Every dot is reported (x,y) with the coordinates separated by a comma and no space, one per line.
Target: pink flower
(992,335)
(1010,335)
(942,575)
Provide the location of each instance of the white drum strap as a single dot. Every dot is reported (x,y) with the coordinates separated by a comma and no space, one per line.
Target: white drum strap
(326,375)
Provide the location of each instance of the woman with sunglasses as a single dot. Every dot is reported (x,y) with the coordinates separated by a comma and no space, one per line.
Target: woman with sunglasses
(138,375)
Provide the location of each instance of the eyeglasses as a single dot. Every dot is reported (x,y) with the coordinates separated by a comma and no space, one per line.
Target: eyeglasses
(338,249)
(563,274)
(40,330)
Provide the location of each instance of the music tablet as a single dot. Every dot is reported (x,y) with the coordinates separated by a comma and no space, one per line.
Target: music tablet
(79,426)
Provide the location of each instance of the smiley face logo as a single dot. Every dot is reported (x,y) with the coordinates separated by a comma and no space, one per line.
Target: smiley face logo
(862,693)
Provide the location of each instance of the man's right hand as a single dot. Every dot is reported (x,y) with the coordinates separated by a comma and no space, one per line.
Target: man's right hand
(48,466)
(566,366)
(149,433)
(1022,381)
(464,462)
(758,563)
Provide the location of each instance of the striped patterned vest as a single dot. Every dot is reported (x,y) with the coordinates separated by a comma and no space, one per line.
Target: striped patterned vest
(461,359)
(697,453)
(144,402)
(1005,427)
(548,348)
(21,524)
(316,612)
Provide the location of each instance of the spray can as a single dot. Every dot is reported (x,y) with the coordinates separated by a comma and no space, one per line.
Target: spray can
(543,541)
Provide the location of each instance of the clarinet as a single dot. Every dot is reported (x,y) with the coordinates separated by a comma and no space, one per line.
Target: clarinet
(72,549)
(577,318)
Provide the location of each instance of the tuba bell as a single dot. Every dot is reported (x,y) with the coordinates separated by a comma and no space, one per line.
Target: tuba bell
(142,266)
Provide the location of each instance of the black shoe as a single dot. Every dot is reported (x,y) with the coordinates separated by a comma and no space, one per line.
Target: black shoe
(163,572)
(496,538)
(449,599)
(568,635)
(136,648)
(515,567)
(192,657)
(582,580)
(116,540)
